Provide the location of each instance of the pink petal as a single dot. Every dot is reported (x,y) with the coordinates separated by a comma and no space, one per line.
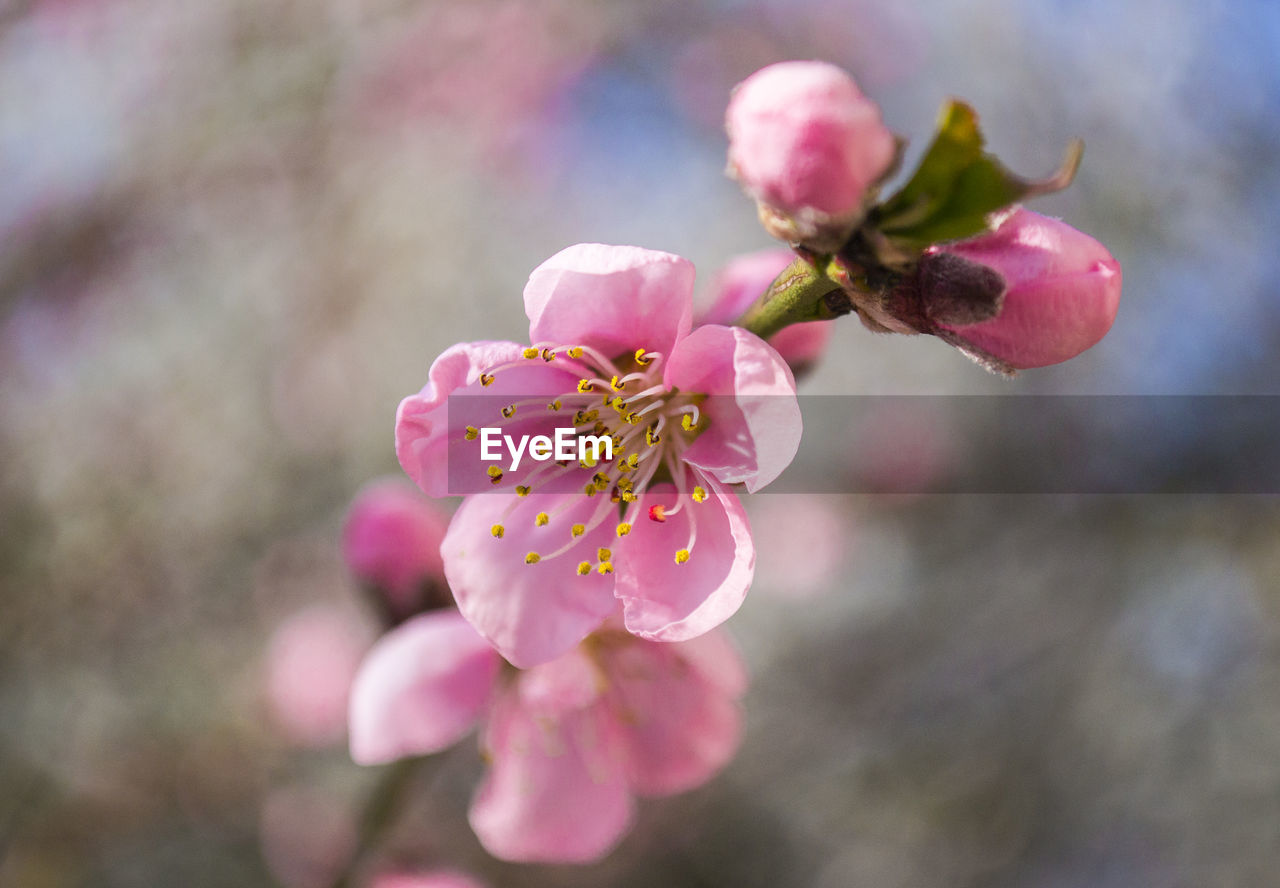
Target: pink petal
(531,613)
(429,435)
(667,601)
(680,729)
(741,282)
(755,419)
(391,539)
(432,879)
(616,299)
(564,685)
(556,791)
(420,689)
(717,659)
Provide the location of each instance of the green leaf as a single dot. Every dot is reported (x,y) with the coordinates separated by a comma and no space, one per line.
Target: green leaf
(958,186)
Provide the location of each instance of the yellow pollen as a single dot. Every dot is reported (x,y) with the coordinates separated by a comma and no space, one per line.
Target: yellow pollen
(585,386)
(555,405)
(532,558)
(699,494)
(497,530)
(542,519)
(578,529)
(522,490)
(626,484)
(631,418)
(682,556)
(616,385)
(623,529)
(618,404)
(605,568)
(472,433)
(628,497)
(686,422)
(486,379)
(495,474)
(641,359)
(548,355)
(651,437)
(600,480)
(603,554)
(529,353)
(509,411)
(575,352)
(584,568)
(589,489)
(634,460)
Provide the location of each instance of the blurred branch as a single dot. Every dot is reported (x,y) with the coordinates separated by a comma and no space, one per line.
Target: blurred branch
(382,807)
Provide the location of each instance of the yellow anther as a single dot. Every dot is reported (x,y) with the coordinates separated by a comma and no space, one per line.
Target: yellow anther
(522,490)
(589,489)
(616,385)
(578,529)
(603,554)
(495,474)
(651,437)
(626,484)
(631,418)
(532,558)
(600,480)
(472,433)
(591,416)
(529,353)
(634,460)
(585,386)
(509,411)
(628,497)
(555,405)
(682,556)
(486,379)
(599,428)
(617,403)
(687,423)
(542,519)
(584,568)
(548,354)
(699,494)
(623,528)
(497,530)
(575,352)
(641,359)
(605,568)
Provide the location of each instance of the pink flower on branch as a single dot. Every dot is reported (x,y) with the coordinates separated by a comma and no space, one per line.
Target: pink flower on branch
(570,742)
(1061,291)
(543,563)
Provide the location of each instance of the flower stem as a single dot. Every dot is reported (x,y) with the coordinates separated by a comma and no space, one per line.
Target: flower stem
(801,293)
(380,811)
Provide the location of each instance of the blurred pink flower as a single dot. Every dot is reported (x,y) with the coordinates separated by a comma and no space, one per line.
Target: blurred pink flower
(743,280)
(803,541)
(1062,290)
(569,742)
(391,541)
(538,568)
(804,140)
(310,663)
(433,879)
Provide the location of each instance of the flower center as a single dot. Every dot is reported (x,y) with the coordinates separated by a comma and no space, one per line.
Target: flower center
(649,425)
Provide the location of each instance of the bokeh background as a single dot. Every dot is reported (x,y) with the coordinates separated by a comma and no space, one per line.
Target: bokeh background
(234,234)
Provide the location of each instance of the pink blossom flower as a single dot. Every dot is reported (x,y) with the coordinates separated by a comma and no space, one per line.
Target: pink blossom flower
(391,540)
(538,567)
(737,286)
(569,742)
(1062,290)
(803,139)
(311,660)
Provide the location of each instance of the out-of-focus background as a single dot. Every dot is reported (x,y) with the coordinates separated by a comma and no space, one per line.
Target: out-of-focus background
(234,234)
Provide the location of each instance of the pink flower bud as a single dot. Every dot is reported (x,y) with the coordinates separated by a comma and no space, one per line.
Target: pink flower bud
(1062,290)
(804,140)
(741,282)
(391,540)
